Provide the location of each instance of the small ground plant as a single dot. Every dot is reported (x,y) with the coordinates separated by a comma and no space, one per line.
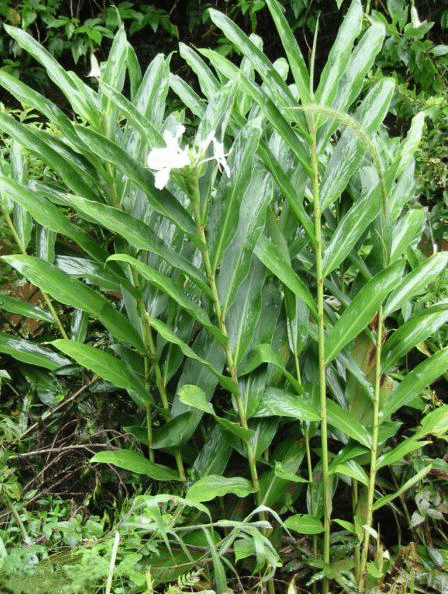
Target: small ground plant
(256,293)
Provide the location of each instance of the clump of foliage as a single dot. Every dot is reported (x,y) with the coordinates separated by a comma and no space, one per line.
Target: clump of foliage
(256,298)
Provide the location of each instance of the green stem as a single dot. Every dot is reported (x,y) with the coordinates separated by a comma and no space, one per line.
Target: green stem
(151,348)
(322,365)
(12,509)
(373,456)
(196,203)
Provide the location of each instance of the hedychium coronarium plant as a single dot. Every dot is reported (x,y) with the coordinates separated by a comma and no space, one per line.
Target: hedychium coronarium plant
(264,253)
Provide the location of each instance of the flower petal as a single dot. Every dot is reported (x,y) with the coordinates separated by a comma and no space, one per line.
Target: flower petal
(161,178)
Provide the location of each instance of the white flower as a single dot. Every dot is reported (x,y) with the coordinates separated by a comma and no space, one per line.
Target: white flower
(220,157)
(163,160)
(172,156)
(95,70)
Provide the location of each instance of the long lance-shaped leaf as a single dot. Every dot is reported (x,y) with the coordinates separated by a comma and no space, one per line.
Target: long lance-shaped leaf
(161,200)
(31,353)
(417,329)
(407,230)
(237,258)
(355,141)
(279,403)
(350,229)
(343,421)
(207,80)
(77,161)
(278,90)
(423,375)
(23,308)
(82,98)
(398,453)
(361,310)
(135,118)
(244,314)
(339,55)
(416,281)
(270,109)
(26,136)
(151,94)
(407,485)
(353,78)
(265,353)
(74,293)
(274,261)
(114,71)
(29,96)
(139,235)
(107,367)
(224,213)
(187,95)
(170,288)
(48,215)
(166,332)
(212,486)
(293,195)
(292,50)
(135,462)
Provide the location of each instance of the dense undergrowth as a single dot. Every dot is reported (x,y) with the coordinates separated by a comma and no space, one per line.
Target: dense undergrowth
(224,316)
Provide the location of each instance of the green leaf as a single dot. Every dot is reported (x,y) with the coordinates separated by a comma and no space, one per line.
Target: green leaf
(225,210)
(37,143)
(339,55)
(139,235)
(193,396)
(423,375)
(292,192)
(237,260)
(82,98)
(407,231)
(105,366)
(398,453)
(273,259)
(355,140)
(407,485)
(138,120)
(351,228)
(416,330)
(353,470)
(292,50)
(32,353)
(281,472)
(161,200)
(304,524)
(211,486)
(29,96)
(23,308)
(267,105)
(169,335)
(244,314)
(135,462)
(434,423)
(72,292)
(347,424)
(277,402)
(360,312)
(208,82)
(48,215)
(170,288)
(265,353)
(173,433)
(416,281)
